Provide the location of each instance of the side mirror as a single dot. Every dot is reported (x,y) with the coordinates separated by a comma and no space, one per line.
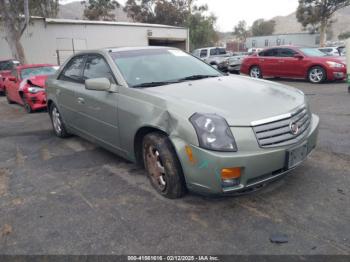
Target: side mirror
(298,56)
(98,84)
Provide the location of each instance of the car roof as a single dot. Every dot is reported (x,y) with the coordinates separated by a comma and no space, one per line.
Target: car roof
(32,66)
(122,49)
(7,60)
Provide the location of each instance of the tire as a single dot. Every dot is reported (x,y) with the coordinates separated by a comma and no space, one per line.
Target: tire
(7,97)
(26,105)
(317,75)
(57,123)
(163,166)
(255,72)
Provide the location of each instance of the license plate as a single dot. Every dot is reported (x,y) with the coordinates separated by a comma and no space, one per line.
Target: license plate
(296,156)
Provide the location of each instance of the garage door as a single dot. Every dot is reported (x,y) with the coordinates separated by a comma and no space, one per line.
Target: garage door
(181,44)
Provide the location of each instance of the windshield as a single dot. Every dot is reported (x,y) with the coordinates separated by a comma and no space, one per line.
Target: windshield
(162,66)
(36,71)
(312,52)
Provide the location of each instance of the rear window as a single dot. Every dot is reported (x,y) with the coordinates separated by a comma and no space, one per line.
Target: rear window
(8,65)
(218,51)
(269,52)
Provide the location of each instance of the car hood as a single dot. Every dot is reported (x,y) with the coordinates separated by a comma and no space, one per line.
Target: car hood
(240,100)
(37,80)
(332,58)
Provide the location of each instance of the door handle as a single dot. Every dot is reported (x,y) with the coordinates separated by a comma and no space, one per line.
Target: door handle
(281,61)
(262,60)
(81,100)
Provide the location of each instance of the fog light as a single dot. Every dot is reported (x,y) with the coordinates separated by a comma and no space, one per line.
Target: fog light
(230,177)
(230,182)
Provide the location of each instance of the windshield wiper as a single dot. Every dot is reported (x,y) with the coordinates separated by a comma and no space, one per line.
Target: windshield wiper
(153,84)
(196,77)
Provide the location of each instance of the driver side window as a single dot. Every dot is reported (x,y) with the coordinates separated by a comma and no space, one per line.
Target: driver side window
(97,67)
(72,71)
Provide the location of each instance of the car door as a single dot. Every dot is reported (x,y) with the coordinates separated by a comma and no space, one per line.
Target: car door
(12,85)
(98,109)
(69,81)
(268,62)
(288,64)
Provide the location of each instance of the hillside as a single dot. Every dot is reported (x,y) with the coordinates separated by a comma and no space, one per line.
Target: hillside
(289,24)
(75,10)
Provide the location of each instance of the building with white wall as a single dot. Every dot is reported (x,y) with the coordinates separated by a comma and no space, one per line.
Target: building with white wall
(49,40)
(297,39)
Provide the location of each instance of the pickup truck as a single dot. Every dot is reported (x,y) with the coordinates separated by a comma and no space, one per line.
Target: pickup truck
(214,56)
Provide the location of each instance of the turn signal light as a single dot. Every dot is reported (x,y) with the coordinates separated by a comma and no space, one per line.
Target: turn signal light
(190,154)
(230,173)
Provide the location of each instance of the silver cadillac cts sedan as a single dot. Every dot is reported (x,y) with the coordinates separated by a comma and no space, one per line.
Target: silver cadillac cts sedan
(190,126)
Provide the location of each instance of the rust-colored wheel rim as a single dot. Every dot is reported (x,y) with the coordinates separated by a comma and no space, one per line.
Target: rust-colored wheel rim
(155,168)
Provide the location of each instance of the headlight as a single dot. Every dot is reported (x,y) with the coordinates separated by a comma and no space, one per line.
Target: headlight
(34,90)
(335,64)
(213,132)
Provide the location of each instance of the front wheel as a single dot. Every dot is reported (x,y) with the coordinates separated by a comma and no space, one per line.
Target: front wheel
(317,75)
(57,123)
(162,166)
(26,105)
(255,72)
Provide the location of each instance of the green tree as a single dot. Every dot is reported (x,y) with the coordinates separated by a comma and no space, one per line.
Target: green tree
(15,17)
(100,9)
(344,36)
(262,27)
(176,13)
(318,14)
(241,31)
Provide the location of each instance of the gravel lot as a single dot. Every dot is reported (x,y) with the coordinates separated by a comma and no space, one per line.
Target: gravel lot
(71,197)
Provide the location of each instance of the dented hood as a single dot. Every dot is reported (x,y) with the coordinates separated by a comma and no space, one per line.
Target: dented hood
(37,80)
(240,100)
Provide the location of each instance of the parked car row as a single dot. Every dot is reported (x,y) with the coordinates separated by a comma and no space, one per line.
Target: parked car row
(25,84)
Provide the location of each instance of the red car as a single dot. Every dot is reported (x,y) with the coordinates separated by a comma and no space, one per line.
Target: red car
(6,66)
(26,85)
(295,62)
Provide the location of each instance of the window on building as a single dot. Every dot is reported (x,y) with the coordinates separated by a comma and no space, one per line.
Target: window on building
(266,42)
(254,43)
(278,42)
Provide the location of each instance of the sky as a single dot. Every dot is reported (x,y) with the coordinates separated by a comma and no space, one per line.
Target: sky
(229,12)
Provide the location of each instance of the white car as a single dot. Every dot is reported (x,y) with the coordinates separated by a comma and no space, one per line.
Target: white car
(331,51)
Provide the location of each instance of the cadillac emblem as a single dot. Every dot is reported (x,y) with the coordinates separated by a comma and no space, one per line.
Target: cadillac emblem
(294,128)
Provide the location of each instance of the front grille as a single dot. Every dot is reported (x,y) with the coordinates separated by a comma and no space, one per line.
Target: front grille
(279,133)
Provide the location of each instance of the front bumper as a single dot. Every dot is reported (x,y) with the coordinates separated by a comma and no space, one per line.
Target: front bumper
(37,101)
(336,74)
(258,165)
(234,67)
